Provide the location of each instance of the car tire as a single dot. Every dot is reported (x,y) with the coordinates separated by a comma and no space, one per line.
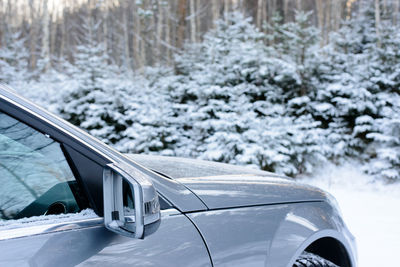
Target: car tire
(307,259)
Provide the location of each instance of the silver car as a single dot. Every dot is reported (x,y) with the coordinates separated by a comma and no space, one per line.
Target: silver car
(67,199)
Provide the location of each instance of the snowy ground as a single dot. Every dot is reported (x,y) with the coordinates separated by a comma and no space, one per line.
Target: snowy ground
(370,210)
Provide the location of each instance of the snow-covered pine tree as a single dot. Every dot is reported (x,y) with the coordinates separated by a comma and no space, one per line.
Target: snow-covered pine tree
(229,95)
(358,94)
(14,60)
(150,124)
(94,102)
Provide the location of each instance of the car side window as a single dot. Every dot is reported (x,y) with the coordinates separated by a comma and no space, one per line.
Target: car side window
(35,177)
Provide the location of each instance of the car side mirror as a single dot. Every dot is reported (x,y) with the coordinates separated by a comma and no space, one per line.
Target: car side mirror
(130,200)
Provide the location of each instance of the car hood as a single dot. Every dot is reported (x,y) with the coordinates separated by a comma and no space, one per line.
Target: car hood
(226,186)
(249,190)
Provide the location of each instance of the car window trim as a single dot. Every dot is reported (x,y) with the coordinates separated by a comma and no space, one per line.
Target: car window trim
(34,230)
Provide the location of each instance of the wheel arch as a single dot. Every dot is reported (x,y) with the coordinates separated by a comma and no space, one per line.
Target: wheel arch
(331,249)
(330,245)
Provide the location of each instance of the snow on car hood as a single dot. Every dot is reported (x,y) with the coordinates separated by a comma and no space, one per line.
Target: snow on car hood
(223,186)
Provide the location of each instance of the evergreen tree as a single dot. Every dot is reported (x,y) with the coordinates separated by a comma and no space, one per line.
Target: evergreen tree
(94,102)
(14,60)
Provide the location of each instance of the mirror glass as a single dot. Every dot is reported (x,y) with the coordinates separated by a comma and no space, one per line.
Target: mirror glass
(129,206)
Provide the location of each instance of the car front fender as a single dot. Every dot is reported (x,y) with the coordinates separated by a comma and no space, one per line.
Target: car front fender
(271,235)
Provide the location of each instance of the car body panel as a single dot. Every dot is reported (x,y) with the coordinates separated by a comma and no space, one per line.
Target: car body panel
(244,190)
(173,240)
(228,186)
(273,235)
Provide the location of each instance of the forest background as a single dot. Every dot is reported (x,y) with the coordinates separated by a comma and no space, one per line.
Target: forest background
(284,86)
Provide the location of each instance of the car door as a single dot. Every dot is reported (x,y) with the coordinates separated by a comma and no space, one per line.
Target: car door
(47,215)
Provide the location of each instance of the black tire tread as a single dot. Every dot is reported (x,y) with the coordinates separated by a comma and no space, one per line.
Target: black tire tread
(307,259)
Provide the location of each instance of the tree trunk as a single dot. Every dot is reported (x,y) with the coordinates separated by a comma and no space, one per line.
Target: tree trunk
(63,33)
(226,9)
(337,11)
(320,16)
(53,33)
(242,6)
(32,35)
(328,21)
(192,21)
(168,33)
(378,22)
(181,23)
(285,10)
(396,11)
(125,26)
(272,10)
(259,13)
(105,27)
(384,6)
(299,5)
(215,10)
(198,20)
(2,25)
(264,15)
(159,30)
(137,42)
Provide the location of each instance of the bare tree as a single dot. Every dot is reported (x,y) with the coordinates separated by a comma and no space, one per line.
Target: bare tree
(285,10)
(140,33)
(384,6)
(2,24)
(396,11)
(260,7)
(160,26)
(199,12)
(45,39)
(215,10)
(125,26)
(192,21)
(226,7)
(53,30)
(378,22)
(299,5)
(327,28)
(320,16)
(168,43)
(181,23)
(105,26)
(32,34)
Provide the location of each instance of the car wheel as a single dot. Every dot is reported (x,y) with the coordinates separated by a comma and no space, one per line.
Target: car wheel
(307,259)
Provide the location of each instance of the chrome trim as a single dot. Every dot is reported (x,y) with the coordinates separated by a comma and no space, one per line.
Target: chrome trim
(27,231)
(112,191)
(49,228)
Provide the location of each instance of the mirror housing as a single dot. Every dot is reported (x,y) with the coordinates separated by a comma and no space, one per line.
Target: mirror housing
(130,200)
